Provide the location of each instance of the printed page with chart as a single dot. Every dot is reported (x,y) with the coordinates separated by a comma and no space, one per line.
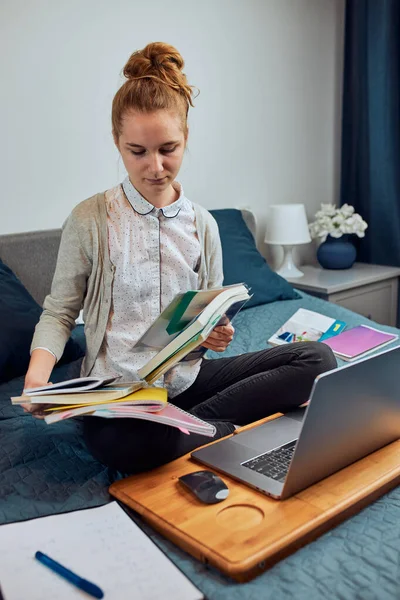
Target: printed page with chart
(306,326)
(102,545)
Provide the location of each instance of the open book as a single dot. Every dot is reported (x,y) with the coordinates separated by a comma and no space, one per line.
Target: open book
(168,415)
(124,392)
(77,390)
(306,326)
(100,395)
(78,385)
(149,404)
(185,324)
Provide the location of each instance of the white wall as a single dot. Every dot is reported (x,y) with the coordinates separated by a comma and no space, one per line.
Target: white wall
(265,129)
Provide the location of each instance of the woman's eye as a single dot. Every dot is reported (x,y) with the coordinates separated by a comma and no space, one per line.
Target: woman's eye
(162,151)
(168,150)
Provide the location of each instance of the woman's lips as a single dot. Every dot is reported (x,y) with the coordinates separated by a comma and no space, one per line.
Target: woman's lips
(156,181)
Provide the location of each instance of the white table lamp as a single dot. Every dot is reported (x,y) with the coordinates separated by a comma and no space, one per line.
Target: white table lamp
(287,226)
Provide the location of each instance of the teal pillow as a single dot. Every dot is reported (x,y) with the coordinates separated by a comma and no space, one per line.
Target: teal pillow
(19,313)
(243,262)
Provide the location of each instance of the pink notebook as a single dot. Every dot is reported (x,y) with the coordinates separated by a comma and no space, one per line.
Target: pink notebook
(358,341)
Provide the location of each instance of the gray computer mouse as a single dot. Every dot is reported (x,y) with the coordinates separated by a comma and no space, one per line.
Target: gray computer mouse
(206,486)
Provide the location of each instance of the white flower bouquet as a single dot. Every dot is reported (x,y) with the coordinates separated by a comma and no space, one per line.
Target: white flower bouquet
(330,220)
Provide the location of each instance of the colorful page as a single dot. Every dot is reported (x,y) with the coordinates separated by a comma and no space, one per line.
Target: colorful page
(151,399)
(180,313)
(174,353)
(358,340)
(79,384)
(151,395)
(69,412)
(104,394)
(170,415)
(303,326)
(167,364)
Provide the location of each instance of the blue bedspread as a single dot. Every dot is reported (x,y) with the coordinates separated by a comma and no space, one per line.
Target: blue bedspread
(46,470)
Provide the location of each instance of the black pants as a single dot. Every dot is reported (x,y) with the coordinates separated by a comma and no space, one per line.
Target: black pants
(227,391)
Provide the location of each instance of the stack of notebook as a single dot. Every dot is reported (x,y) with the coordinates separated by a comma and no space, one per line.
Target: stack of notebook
(104,398)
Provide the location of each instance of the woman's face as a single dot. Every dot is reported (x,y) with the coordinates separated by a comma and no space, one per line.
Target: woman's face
(152,147)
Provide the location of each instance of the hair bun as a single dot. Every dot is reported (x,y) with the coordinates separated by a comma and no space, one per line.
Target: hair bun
(155,81)
(156,59)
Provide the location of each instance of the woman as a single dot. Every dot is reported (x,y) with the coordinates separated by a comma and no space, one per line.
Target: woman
(125,254)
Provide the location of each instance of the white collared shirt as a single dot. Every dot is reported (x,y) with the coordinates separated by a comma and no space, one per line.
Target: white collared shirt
(156,254)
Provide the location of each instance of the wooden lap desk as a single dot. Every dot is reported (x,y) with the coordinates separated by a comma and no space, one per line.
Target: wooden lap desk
(249,532)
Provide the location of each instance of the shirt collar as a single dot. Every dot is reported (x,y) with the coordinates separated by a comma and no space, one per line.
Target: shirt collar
(141,206)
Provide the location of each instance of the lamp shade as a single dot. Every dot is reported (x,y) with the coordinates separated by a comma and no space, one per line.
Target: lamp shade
(287,225)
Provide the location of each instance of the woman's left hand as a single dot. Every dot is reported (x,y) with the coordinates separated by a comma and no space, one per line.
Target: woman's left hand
(220,338)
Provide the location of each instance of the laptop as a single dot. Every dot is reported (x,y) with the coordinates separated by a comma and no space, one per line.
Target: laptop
(352,411)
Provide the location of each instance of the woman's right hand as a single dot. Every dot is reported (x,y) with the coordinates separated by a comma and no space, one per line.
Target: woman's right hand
(36,410)
(40,367)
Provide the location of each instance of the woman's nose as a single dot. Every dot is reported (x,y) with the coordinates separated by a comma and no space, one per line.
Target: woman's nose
(156,164)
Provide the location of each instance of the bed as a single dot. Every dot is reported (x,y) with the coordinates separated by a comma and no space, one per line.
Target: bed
(46,470)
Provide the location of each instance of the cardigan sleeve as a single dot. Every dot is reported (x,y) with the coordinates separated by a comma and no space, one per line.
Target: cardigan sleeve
(210,273)
(62,305)
(213,253)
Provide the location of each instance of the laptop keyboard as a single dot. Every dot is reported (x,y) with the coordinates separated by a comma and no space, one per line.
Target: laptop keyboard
(274,463)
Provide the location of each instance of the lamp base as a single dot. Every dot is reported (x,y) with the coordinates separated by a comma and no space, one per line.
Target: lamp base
(288,269)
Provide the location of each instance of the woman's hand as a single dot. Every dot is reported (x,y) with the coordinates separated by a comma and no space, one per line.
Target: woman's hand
(220,338)
(39,370)
(36,410)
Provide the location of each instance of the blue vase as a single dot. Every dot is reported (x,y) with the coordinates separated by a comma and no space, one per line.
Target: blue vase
(336,253)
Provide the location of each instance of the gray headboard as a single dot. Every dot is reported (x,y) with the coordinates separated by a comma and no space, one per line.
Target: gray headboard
(32,256)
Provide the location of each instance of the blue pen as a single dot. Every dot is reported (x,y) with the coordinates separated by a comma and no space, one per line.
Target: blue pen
(82,584)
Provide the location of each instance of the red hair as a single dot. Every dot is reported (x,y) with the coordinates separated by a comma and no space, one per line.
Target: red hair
(154,81)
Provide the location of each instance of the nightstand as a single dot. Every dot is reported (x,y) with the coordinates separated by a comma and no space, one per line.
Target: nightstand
(370,290)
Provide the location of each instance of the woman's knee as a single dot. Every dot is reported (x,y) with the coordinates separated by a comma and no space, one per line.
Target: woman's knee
(319,356)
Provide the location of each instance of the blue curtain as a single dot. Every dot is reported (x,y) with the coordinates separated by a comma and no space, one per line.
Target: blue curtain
(371,125)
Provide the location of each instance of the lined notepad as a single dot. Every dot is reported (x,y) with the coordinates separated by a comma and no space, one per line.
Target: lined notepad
(102,545)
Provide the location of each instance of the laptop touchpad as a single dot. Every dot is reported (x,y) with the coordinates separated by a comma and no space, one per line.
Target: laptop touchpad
(269,435)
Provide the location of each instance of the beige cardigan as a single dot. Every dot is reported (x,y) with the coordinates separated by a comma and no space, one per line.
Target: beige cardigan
(84,276)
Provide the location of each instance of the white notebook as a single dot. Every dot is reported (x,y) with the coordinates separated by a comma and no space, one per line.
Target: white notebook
(102,545)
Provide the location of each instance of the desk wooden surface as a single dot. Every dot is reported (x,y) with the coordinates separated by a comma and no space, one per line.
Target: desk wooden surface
(249,532)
